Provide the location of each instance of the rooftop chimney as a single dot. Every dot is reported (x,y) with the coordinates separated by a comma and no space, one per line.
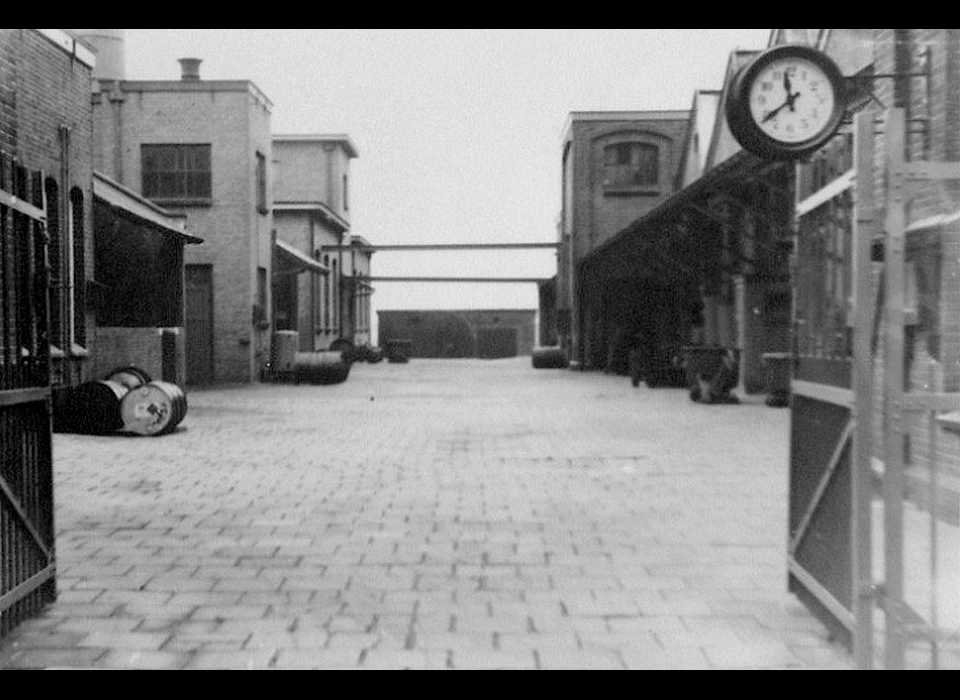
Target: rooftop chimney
(190,68)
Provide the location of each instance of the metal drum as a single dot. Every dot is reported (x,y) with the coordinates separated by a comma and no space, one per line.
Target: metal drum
(326,367)
(130,377)
(549,357)
(155,408)
(93,408)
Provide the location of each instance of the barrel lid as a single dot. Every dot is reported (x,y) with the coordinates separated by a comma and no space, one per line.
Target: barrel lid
(150,409)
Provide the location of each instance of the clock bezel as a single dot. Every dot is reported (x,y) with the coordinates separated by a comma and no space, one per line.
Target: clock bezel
(746,130)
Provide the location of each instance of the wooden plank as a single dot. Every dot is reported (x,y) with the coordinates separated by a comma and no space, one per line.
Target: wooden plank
(823,392)
(862,381)
(22,590)
(507,280)
(447,246)
(822,196)
(14,397)
(821,486)
(931,170)
(927,401)
(829,601)
(893,478)
(25,522)
(21,206)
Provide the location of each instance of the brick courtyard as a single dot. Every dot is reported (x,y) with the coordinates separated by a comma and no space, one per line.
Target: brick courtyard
(443,514)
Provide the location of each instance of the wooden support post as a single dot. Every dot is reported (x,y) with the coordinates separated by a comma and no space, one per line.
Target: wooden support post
(893,478)
(862,545)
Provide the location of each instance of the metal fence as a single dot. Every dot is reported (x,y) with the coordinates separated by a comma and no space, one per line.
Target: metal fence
(27,565)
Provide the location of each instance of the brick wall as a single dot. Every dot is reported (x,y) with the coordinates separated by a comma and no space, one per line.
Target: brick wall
(597,214)
(234,118)
(140,347)
(44,89)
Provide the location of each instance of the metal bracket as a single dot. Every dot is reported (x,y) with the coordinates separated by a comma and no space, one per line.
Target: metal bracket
(877,592)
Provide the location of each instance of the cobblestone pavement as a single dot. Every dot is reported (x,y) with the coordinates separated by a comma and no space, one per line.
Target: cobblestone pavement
(442,514)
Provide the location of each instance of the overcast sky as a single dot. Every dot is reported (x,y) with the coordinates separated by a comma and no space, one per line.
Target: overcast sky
(458,129)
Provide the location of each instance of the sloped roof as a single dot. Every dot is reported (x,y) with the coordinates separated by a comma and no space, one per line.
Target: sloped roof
(723,145)
(117,195)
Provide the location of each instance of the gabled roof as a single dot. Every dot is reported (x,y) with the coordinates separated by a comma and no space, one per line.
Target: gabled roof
(300,260)
(117,195)
(723,145)
(703,115)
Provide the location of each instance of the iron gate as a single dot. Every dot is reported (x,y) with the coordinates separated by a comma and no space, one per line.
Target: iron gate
(27,566)
(874,541)
(822,422)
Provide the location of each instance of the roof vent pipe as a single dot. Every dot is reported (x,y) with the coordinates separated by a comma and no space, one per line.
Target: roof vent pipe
(190,68)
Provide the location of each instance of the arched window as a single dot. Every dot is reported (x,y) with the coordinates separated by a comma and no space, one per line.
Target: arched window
(334,300)
(77,279)
(326,294)
(55,258)
(631,165)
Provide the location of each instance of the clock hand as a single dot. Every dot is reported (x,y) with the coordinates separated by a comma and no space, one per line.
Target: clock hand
(774,112)
(786,83)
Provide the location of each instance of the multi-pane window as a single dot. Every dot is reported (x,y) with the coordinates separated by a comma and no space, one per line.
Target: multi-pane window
(629,165)
(77,279)
(261,183)
(176,172)
(66,256)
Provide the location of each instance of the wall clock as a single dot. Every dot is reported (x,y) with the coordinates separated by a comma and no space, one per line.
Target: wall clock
(786,103)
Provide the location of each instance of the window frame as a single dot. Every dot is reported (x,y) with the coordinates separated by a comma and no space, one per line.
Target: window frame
(632,174)
(187,193)
(262,205)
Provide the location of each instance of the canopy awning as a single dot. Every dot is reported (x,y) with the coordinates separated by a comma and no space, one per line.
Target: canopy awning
(116,195)
(300,260)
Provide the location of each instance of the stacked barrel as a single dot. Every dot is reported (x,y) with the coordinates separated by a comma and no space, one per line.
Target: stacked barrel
(126,401)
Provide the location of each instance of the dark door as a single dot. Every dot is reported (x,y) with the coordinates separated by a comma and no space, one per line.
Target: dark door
(496,342)
(199,342)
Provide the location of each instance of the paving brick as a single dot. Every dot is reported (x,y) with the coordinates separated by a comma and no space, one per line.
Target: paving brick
(120,659)
(557,660)
(420,537)
(231,660)
(405,660)
(145,641)
(317,659)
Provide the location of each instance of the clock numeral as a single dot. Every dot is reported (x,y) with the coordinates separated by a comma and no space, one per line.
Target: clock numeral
(766,86)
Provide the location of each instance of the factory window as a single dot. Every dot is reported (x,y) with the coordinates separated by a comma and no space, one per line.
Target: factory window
(630,167)
(55,259)
(77,277)
(262,183)
(176,174)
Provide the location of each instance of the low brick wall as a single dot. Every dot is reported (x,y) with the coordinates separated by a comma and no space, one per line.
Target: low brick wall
(143,347)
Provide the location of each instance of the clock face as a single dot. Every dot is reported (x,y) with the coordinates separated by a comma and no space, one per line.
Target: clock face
(792,100)
(787,103)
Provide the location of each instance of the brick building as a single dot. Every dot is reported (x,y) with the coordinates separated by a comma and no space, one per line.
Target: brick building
(483,333)
(318,286)
(203,148)
(46,169)
(45,124)
(616,167)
